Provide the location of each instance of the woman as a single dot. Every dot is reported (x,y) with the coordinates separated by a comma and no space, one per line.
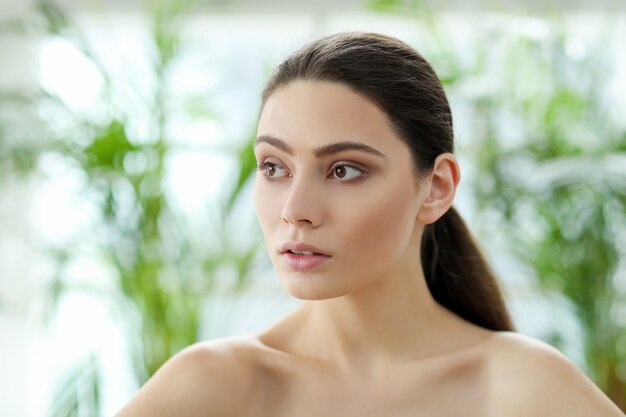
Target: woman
(402,314)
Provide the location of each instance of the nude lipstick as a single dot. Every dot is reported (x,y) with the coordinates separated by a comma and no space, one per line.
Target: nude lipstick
(302,256)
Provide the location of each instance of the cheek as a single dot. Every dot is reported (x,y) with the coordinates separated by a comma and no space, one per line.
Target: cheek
(382,226)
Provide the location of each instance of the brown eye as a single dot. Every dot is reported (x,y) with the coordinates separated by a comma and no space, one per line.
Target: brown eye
(345,173)
(272,171)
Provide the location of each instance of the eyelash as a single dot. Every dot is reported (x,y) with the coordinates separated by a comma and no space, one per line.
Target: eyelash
(264,165)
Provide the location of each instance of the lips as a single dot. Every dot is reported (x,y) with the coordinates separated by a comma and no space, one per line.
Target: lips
(312,257)
(301,247)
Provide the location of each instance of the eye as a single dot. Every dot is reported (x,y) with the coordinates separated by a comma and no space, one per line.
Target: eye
(346,172)
(271,170)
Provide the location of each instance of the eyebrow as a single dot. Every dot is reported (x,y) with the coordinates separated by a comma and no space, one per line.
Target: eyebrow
(320,151)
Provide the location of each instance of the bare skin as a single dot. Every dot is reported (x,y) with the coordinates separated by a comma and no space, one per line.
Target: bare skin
(506,374)
(369,340)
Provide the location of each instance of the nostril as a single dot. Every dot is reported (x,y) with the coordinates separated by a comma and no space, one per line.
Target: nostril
(300,218)
(296,221)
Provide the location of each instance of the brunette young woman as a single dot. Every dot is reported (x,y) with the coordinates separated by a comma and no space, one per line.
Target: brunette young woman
(401,314)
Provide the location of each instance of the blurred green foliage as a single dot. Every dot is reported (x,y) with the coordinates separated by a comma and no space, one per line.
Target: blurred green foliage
(564,212)
(163,273)
(550,157)
(81,391)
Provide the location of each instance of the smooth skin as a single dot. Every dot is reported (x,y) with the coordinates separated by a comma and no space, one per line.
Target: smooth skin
(369,339)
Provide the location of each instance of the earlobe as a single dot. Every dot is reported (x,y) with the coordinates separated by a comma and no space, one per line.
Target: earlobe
(443,183)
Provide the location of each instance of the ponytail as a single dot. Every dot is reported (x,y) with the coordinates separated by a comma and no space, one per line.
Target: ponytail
(458,275)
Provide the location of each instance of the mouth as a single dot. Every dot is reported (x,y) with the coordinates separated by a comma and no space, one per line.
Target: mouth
(305,252)
(302,257)
(303,249)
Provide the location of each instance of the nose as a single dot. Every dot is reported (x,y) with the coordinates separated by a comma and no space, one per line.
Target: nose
(302,206)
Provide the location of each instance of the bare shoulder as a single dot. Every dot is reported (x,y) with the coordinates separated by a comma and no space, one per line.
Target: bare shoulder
(533,378)
(212,375)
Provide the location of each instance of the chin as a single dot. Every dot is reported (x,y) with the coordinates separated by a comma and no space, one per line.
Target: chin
(310,291)
(308,296)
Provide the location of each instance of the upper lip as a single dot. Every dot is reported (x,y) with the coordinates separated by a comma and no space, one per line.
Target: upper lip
(300,247)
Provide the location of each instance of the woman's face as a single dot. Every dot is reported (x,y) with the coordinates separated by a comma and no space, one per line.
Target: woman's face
(333,175)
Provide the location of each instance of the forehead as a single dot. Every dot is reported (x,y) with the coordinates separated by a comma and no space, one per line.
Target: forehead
(321,112)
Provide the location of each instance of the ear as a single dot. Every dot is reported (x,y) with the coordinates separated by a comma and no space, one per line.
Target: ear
(443,182)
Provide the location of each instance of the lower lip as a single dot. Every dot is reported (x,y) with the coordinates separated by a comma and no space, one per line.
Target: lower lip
(303,262)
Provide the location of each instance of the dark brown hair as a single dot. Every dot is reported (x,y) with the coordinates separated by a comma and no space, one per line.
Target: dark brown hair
(403,84)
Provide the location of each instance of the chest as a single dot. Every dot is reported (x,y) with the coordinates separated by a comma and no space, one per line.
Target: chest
(443,390)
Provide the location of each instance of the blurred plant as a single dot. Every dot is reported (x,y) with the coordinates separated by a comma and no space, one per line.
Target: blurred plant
(550,159)
(561,189)
(81,391)
(163,269)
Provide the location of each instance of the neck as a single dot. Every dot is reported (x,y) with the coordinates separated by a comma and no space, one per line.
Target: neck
(392,320)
